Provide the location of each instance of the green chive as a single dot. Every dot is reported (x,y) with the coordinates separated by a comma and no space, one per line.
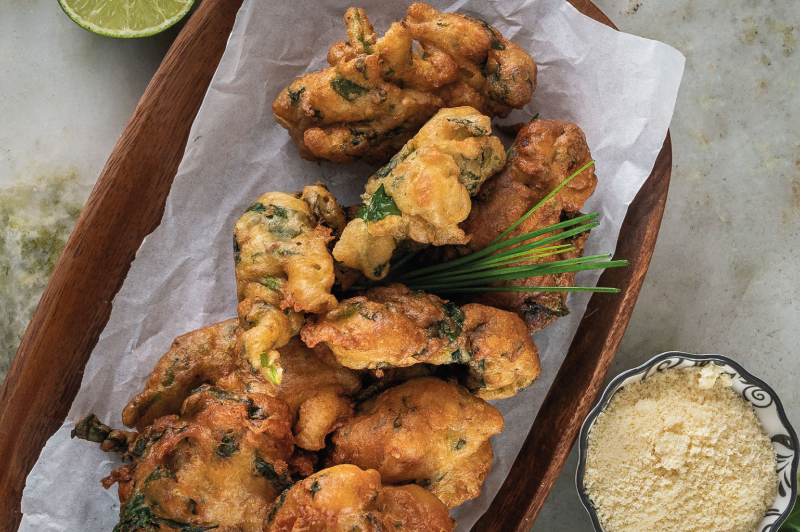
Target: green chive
(489,250)
(600,289)
(546,198)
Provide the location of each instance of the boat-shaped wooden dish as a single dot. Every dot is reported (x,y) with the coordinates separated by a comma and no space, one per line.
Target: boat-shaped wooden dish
(126,205)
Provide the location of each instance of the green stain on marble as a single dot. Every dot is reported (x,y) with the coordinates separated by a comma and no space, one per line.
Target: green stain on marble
(36,219)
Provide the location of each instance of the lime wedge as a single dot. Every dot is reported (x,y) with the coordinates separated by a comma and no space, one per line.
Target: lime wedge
(126,18)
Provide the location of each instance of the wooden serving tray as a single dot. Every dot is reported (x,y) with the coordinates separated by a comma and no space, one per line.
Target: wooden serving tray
(126,205)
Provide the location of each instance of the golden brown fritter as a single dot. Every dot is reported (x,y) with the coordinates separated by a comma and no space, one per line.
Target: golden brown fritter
(476,66)
(318,394)
(388,326)
(344,498)
(220,465)
(283,268)
(545,153)
(394,327)
(424,192)
(195,358)
(208,356)
(379,91)
(501,355)
(348,112)
(412,508)
(426,431)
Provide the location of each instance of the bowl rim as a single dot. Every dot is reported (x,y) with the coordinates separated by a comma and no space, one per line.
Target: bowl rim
(613,387)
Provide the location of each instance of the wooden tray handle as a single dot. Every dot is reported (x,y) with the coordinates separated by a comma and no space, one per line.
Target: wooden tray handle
(125,205)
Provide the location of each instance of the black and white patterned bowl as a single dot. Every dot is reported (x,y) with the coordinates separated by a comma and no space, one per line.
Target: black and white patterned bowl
(768,408)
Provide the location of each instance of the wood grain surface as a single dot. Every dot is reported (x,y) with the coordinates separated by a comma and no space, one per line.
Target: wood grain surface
(127,204)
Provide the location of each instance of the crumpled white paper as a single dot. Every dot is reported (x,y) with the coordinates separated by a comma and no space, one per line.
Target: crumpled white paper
(619,88)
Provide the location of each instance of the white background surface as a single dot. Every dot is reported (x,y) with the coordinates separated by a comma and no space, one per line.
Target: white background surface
(724,277)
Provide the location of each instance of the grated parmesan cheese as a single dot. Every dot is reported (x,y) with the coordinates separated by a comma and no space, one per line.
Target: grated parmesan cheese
(680,451)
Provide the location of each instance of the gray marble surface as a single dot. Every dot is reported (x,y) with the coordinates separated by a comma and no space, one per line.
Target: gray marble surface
(65,95)
(725,277)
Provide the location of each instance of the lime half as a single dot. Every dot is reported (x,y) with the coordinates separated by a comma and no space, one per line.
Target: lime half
(126,18)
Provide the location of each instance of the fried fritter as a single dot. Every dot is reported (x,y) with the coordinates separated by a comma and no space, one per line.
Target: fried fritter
(414,509)
(476,66)
(393,326)
(379,91)
(318,394)
(195,358)
(220,465)
(424,192)
(426,431)
(344,498)
(283,268)
(545,153)
(501,355)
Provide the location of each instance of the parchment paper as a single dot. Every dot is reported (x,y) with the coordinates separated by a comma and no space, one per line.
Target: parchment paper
(619,88)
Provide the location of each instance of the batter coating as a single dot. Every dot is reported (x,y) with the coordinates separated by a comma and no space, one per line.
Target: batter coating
(345,498)
(317,393)
(379,91)
(394,327)
(426,431)
(424,192)
(220,465)
(283,268)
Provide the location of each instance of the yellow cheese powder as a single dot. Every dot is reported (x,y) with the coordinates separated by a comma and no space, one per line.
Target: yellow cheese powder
(680,451)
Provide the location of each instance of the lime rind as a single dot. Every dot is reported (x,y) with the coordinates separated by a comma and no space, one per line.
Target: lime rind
(125,19)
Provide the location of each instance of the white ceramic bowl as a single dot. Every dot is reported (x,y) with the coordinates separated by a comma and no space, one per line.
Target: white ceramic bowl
(768,408)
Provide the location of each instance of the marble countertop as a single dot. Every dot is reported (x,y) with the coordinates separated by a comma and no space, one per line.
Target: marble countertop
(725,277)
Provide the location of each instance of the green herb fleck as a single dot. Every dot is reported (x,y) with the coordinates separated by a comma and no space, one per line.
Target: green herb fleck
(347,89)
(470,181)
(273,375)
(219,394)
(159,473)
(461,356)
(460,444)
(136,516)
(398,158)
(267,470)
(237,252)
(227,447)
(315,487)
(257,208)
(378,270)
(474,129)
(294,96)
(273,283)
(380,206)
(444,329)
(277,504)
(90,429)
